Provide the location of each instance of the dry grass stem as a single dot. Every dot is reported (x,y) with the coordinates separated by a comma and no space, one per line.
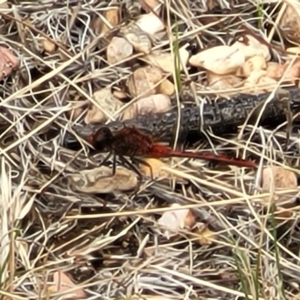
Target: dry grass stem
(68,233)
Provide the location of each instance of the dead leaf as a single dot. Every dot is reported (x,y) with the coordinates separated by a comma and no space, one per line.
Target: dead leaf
(143,81)
(74,113)
(105,99)
(173,221)
(153,4)
(48,45)
(166,88)
(62,283)
(151,104)
(93,180)
(206,236)
(96,24)
(112,17)
(118,49)
(220,59)
(156,166)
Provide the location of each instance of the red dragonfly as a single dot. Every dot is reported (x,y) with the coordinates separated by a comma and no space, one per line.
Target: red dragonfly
(131,142)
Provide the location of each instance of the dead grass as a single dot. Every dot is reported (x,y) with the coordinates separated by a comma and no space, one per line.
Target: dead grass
(109,244)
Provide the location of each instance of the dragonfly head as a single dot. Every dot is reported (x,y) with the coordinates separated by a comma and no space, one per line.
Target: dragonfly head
(103,138)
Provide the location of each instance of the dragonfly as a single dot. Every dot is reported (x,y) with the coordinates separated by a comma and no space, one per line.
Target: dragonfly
(131,142)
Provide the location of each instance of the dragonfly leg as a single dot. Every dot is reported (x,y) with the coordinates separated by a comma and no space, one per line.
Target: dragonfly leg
(106,158)
(141,161)
(132,167)
(136,170)
(114,165)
